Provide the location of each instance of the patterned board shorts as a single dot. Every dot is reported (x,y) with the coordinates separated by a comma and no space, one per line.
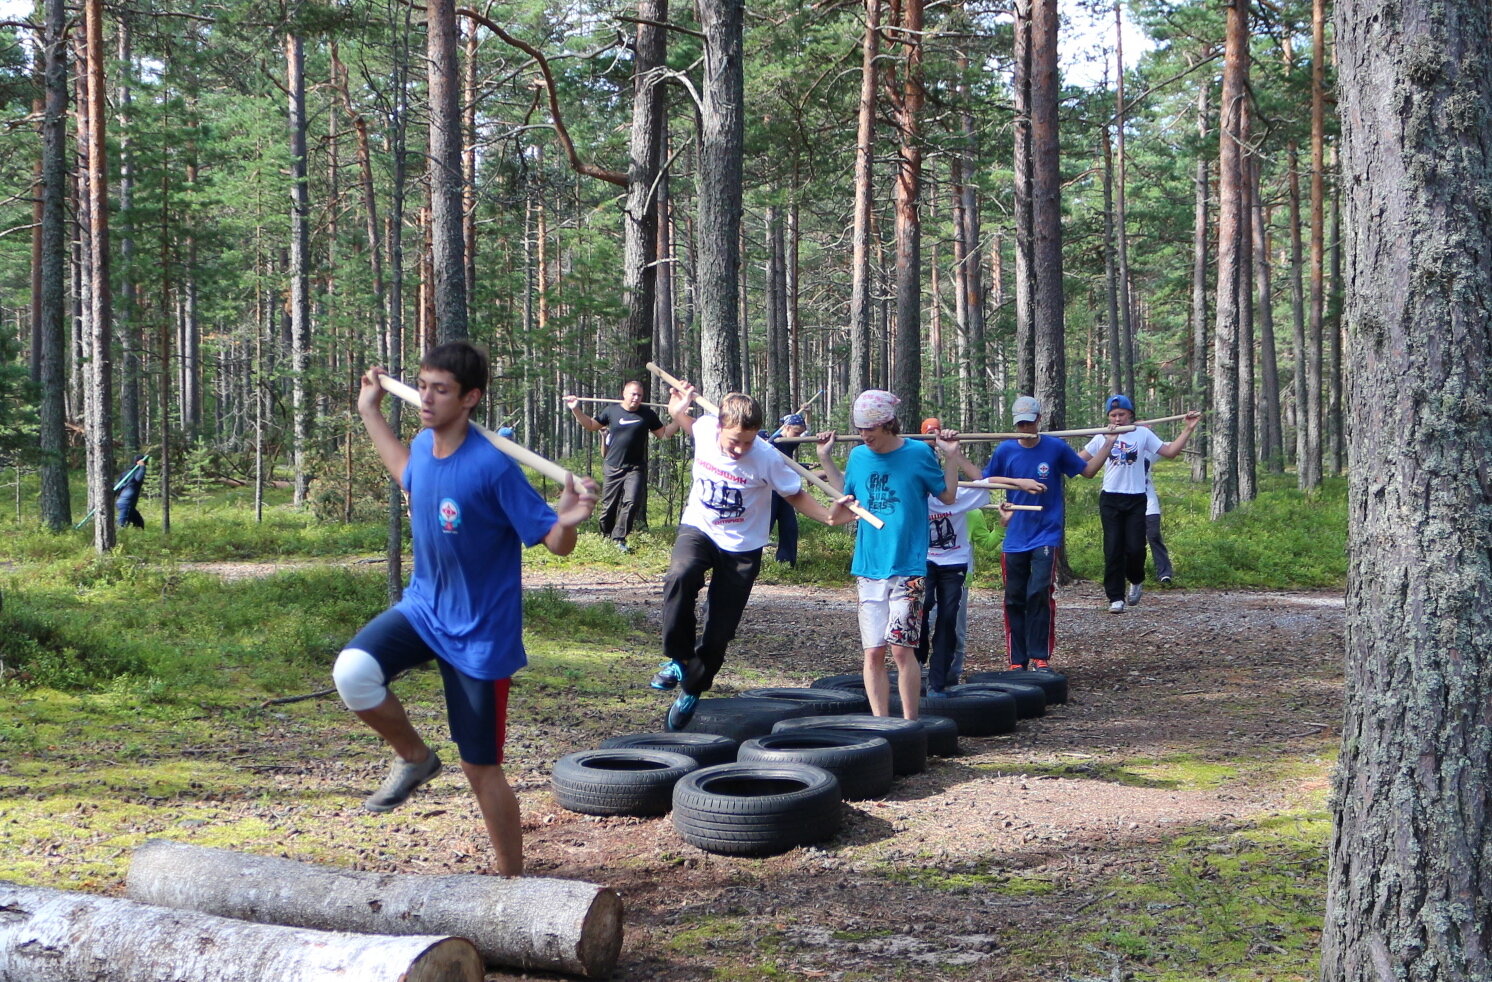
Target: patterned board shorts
(890,611)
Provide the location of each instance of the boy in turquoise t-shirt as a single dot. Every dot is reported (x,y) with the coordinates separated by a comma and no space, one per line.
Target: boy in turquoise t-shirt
(892,478)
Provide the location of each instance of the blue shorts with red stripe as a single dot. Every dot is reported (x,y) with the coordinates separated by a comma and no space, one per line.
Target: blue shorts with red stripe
(477,708)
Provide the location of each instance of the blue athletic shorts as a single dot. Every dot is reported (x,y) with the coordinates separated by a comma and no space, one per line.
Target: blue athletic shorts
(477,708)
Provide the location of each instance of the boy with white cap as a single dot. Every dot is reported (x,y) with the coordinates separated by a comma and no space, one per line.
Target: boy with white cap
(892,478)
(1033,539)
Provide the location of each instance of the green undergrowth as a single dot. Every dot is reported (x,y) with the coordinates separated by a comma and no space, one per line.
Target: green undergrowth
(1242,906)
(1180,772)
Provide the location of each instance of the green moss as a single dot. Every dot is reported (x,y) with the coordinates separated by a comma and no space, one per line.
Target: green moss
(1182,772)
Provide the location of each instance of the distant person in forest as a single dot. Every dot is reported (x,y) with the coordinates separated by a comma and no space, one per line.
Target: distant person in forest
(721,532)
(472,512)
(1158,551)
(624,474)
(1033,539)
(892,478)
(784,516)
(129,487)
(1127,461)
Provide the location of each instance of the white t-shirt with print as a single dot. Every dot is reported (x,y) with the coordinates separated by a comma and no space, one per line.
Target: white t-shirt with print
(1126,470)
(948,541)
(731,500)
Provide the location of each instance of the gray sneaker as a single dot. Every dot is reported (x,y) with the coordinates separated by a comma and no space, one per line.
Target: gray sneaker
(403,778)
(1132,598)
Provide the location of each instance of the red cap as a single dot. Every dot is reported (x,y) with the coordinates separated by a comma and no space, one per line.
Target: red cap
(931,425)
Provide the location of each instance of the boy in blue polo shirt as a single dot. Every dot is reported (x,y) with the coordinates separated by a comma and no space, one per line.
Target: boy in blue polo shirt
(472,512)
(1034,538)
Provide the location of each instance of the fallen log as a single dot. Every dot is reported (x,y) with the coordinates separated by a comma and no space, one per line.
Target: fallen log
(51,935)
(527,922)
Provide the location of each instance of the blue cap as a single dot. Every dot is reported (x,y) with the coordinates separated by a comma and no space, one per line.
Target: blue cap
(1118,402)
(506,432)
(794,419)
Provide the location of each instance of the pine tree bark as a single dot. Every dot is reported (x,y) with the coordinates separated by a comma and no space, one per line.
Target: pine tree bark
(778,391)
(1200,336)
(1114,329)
(100,425)
(1409,895)
(640,217)
(860,302)
(1046,218)
(974,408)
(719,191)
(447,259)
(1310,462)
(300,265)
(1025,283)
(1271,450)
(1231,284)
(56,498)
(1121,212)
(906,380)
(126,325)
(1246,445)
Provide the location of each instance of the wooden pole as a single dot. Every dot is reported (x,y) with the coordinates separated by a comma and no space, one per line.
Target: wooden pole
(992,437)
(802,471)
(618,402)
(525,922)
(515,450)
(51,935)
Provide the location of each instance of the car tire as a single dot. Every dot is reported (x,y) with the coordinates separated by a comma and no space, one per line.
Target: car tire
(618,782)
(908,739)
(755,809)
(821,701)
(707,749)
(861,762)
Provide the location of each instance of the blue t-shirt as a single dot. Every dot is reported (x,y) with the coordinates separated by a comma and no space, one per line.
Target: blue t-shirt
(894,487)
(1048,462)
(471,515)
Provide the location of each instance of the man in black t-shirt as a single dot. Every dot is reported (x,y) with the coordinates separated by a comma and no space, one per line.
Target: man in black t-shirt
(624,494)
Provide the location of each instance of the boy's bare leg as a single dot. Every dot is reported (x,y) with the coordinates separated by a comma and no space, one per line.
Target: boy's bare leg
(908,679)
(877,685)
(389,721)
(499,807)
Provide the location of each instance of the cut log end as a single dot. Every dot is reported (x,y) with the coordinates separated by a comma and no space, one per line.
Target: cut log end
(446,959)
(601,935)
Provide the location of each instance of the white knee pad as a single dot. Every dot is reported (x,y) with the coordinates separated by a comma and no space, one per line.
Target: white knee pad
(359,680)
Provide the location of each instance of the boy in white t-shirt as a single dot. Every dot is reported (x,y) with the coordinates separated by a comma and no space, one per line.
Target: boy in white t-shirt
(1121,503)
(725,524)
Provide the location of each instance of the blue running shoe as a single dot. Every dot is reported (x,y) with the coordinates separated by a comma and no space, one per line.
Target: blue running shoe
(681,712)
(668,677)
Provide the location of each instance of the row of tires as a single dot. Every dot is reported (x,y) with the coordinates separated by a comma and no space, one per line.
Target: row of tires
(807,750)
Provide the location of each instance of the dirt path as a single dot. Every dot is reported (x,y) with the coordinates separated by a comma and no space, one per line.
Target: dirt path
(1243,685)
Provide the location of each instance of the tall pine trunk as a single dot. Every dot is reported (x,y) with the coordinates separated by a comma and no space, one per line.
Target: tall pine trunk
(100,365)
(1231,284)
(56,498)
(447,259)
(1025,276)
(640,221)
(1199,334)
(1408,891)
(1046,218)
(719,189)
(1269,375)
(860,302)
(300,265)
(1310,463)
(906,379)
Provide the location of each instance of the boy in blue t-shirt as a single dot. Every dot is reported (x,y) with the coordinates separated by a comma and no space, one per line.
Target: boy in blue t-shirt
(472,512)
(1034,538)
(892,477)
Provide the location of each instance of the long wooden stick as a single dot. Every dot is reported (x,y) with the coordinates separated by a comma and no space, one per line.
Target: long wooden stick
(964,437)
(1011,507)
(517,451)
(802,471)
(991,484)
(655,405)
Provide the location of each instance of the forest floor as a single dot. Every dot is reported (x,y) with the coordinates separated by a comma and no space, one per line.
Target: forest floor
(1199,725)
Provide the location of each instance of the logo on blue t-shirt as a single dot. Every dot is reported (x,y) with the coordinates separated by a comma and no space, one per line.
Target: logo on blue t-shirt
(1043,471)
(882,495)
(450,515)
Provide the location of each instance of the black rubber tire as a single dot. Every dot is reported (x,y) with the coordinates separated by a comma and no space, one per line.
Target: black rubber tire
(942,735)
(861,762)
(1030,700)
(977,714)
(743,717)
(853,683)
(825,701)
(907,737)
(618,782)
(756,809)
(1054,684)
(707,749)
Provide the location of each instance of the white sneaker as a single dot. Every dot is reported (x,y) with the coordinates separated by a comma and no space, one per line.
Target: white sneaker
(1117,607)
(1133,598)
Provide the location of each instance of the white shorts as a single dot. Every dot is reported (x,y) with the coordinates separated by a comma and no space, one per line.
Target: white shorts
(890,611)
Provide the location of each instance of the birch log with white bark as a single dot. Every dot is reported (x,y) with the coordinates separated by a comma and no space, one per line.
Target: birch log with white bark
(51,935)
(528,922)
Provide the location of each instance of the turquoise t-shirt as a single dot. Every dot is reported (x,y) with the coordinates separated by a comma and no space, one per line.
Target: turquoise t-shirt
(894,487)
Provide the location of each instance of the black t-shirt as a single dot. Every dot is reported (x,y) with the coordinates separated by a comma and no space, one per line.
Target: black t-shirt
(627,433)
